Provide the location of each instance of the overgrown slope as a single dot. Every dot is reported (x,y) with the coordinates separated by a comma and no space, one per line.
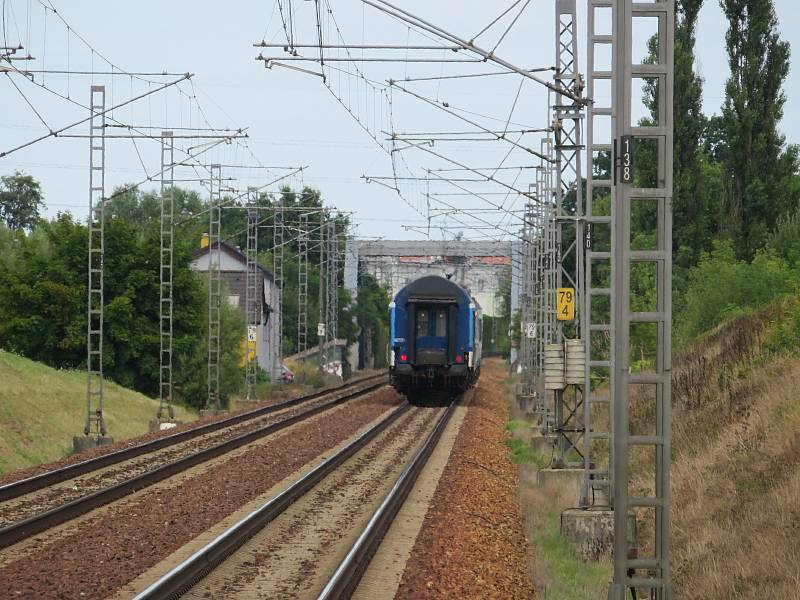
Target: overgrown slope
(736,459)
(42,408)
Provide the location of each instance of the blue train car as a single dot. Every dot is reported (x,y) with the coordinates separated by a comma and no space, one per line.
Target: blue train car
(436,331)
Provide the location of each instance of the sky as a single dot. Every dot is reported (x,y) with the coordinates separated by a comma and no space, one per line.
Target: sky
(292,118)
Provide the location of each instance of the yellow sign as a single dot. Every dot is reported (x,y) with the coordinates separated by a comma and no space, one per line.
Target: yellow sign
(565,304)
(250,345)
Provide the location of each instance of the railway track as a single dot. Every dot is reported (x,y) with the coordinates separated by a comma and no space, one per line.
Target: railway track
(39,503)
(341,508)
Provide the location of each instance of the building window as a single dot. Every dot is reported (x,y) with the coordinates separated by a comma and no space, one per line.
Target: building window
(233,300)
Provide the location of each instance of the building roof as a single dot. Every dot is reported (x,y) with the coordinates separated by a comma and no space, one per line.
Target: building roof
(236,253)
(433,248)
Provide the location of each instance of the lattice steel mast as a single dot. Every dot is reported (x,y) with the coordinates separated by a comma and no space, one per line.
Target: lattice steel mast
(529,321)
(165,304)
(302,284)
(599,267)
(277,267)
(252,297)
(95,423)
(322,328)
(650,386)
(214,288)
(567,122)
(332,301)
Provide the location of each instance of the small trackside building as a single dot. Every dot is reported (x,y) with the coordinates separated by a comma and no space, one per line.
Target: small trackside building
(233,272)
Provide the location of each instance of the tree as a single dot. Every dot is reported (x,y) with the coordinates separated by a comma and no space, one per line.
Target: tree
(696,179)
(20,200)
(760,170)
(43,305)
(372,318)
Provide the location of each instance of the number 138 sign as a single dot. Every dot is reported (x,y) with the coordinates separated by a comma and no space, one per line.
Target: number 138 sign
(565,304)
(626,159)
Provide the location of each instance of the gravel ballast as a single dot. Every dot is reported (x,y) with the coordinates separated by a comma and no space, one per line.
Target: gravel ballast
(289,394)
(103,553)
(471,544)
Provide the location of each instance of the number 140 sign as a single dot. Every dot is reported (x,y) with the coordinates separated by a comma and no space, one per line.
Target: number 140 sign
(565,304)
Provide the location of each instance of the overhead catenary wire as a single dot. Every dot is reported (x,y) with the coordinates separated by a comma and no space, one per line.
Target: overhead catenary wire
(446,109)
(410,18)
(357,91)
(55,133)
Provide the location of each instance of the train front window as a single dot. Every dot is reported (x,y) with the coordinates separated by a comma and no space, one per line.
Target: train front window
(441,323)
(422,323)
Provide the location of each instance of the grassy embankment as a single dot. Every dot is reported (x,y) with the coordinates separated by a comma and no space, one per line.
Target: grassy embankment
(736,459)
(556,571)
(42,408)
(735,469)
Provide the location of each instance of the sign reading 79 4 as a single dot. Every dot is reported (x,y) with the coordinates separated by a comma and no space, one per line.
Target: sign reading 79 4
(565,304)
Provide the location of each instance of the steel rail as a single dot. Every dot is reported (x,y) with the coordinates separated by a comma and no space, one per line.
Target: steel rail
(180,579)
(41,522)
(347,576)
(43,480)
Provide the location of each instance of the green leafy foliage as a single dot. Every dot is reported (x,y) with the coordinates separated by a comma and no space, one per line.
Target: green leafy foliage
(722,286)
(20,200)
(523,453)
(43,301)
(497,330)
(43,288)
(372,319)
(294,203)
(760,171)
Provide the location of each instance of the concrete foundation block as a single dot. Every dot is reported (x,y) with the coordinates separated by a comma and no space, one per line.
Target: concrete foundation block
(163,424)
(571,479)
(591,532)
(81,443)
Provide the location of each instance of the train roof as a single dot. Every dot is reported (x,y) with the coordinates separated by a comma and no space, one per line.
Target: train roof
(434,286)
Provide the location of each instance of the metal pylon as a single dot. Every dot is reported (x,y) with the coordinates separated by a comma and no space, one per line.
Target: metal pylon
(539,291)
(302,285)
(214,288)
(95,423)
(649,386)
(252,297)
(549,269)
(567,123)
(332,299)
(543,250)
(165,304)
(599,267)
(277,266)
(322,328)
(529,322)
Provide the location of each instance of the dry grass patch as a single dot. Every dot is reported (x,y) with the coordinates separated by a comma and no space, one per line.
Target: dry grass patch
(736,466)
(736,516)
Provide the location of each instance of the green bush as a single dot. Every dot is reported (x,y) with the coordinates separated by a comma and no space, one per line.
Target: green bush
(721,287)
(523,453)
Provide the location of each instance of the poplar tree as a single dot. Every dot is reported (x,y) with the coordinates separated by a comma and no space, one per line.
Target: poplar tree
(759,170)
(696,178)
